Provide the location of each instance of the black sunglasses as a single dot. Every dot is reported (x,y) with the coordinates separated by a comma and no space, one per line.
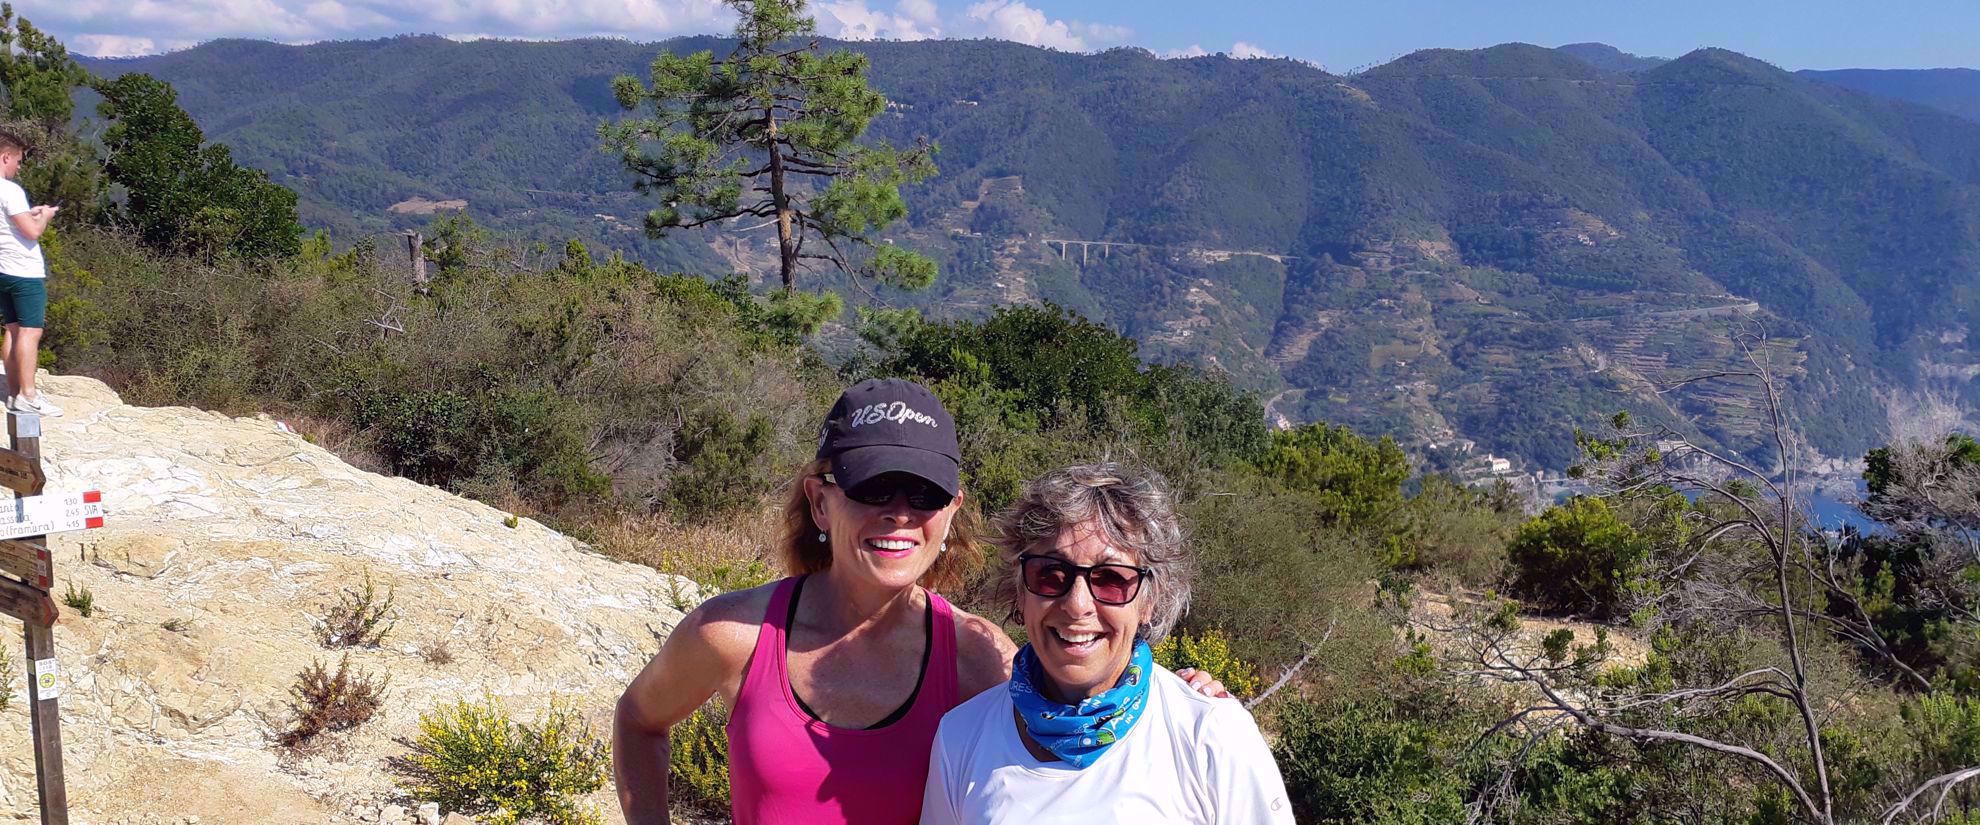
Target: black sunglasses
(1050,577)
(878,492)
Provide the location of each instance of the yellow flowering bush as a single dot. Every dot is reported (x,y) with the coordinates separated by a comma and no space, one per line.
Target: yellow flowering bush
(472,759)
(1209,651)
(698,770)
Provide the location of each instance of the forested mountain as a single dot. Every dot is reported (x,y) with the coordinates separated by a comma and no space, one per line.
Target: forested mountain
(1492,245)
(1954,90)
(1605,56)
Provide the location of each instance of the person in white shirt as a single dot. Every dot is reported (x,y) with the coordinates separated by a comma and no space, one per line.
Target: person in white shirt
(1089,729)
(23,290)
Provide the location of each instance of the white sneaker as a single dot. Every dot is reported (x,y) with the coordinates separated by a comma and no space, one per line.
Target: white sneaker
(39,404)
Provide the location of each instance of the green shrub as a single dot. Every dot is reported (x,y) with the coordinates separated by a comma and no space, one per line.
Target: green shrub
(724,465)
(82,600)
(471,758)
(358,619)
(1454,530)
(1277,582)
(1209,651)
(597,382)
(1358,481)
(1352,762)
(742,575)
(1579,558)
(1945,730)
(323,702)
(698,770)
(7,674)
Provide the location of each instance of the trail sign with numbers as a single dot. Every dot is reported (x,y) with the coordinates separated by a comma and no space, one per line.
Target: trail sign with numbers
(25,523)
(50,513)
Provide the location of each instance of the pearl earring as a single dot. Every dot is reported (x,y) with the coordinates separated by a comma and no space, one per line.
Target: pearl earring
(944,548)
(822,538)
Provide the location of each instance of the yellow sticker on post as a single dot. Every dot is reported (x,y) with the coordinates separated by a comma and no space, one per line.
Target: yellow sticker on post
(47,677)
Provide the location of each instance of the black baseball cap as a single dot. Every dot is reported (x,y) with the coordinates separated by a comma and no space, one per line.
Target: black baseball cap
(891,425)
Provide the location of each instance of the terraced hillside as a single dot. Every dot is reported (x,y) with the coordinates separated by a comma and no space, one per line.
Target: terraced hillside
(1492,245)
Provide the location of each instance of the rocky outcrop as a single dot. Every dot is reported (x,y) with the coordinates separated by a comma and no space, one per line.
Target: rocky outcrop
(227,539)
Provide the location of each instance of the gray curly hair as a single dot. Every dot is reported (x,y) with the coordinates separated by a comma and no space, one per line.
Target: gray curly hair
(1132,505)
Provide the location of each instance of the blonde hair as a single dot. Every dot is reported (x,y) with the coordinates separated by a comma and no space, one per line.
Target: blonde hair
(802,552)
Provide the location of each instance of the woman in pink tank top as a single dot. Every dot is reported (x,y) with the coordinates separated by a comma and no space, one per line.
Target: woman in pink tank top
(836,677)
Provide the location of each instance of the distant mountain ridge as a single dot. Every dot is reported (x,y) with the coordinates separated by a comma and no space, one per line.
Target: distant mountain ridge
(1491,245)
(1953,90)
(1605,56)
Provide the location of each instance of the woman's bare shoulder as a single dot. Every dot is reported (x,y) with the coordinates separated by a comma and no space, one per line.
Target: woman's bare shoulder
(705,653)
(728,622)
(983,653)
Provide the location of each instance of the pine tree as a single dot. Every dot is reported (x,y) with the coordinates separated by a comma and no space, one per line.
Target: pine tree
(36,73)
(184,196)
(772,132)
(37,80)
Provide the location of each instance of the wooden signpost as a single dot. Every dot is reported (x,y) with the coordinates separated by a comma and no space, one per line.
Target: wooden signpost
(24,527)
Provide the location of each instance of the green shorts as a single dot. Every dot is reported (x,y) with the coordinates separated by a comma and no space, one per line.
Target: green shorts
(24,301)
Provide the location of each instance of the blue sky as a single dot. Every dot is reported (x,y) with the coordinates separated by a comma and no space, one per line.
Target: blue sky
(1808,34)
(1337,35)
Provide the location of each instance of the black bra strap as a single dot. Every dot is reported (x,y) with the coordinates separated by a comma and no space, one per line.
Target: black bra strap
(927,650)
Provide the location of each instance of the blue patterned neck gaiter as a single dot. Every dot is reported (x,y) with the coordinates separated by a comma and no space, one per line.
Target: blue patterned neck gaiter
(1078,734)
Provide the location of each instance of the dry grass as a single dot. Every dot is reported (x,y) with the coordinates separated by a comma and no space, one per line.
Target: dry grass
(437,652)
(1629,649)
(733,554)
(340,438)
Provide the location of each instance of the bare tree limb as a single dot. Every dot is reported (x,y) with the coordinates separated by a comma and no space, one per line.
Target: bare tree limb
(1287,676)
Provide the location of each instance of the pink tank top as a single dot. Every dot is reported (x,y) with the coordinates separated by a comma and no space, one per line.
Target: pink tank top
(787,767)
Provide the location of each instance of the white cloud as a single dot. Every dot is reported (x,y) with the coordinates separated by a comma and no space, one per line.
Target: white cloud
(920,11)
(1245,51)
(1102,32)
(117,45)
(853,20)
(134,27)
(340,17)
(1239,50)
(1013,20)
(128,25)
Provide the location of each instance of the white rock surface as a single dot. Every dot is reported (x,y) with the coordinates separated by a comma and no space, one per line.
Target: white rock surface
(245,534)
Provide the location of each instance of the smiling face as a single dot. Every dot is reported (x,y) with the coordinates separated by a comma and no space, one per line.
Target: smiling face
(890,544)
(1082,644)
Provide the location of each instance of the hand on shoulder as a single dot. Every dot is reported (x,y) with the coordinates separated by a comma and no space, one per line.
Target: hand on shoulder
(1204,683)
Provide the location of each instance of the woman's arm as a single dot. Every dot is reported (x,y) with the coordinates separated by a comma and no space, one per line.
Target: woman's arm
(705,653)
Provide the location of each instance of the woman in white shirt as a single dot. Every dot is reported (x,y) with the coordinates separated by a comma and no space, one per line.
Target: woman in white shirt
(1089,729)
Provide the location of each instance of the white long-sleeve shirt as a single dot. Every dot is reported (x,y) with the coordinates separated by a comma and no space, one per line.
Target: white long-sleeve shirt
(1189,759)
